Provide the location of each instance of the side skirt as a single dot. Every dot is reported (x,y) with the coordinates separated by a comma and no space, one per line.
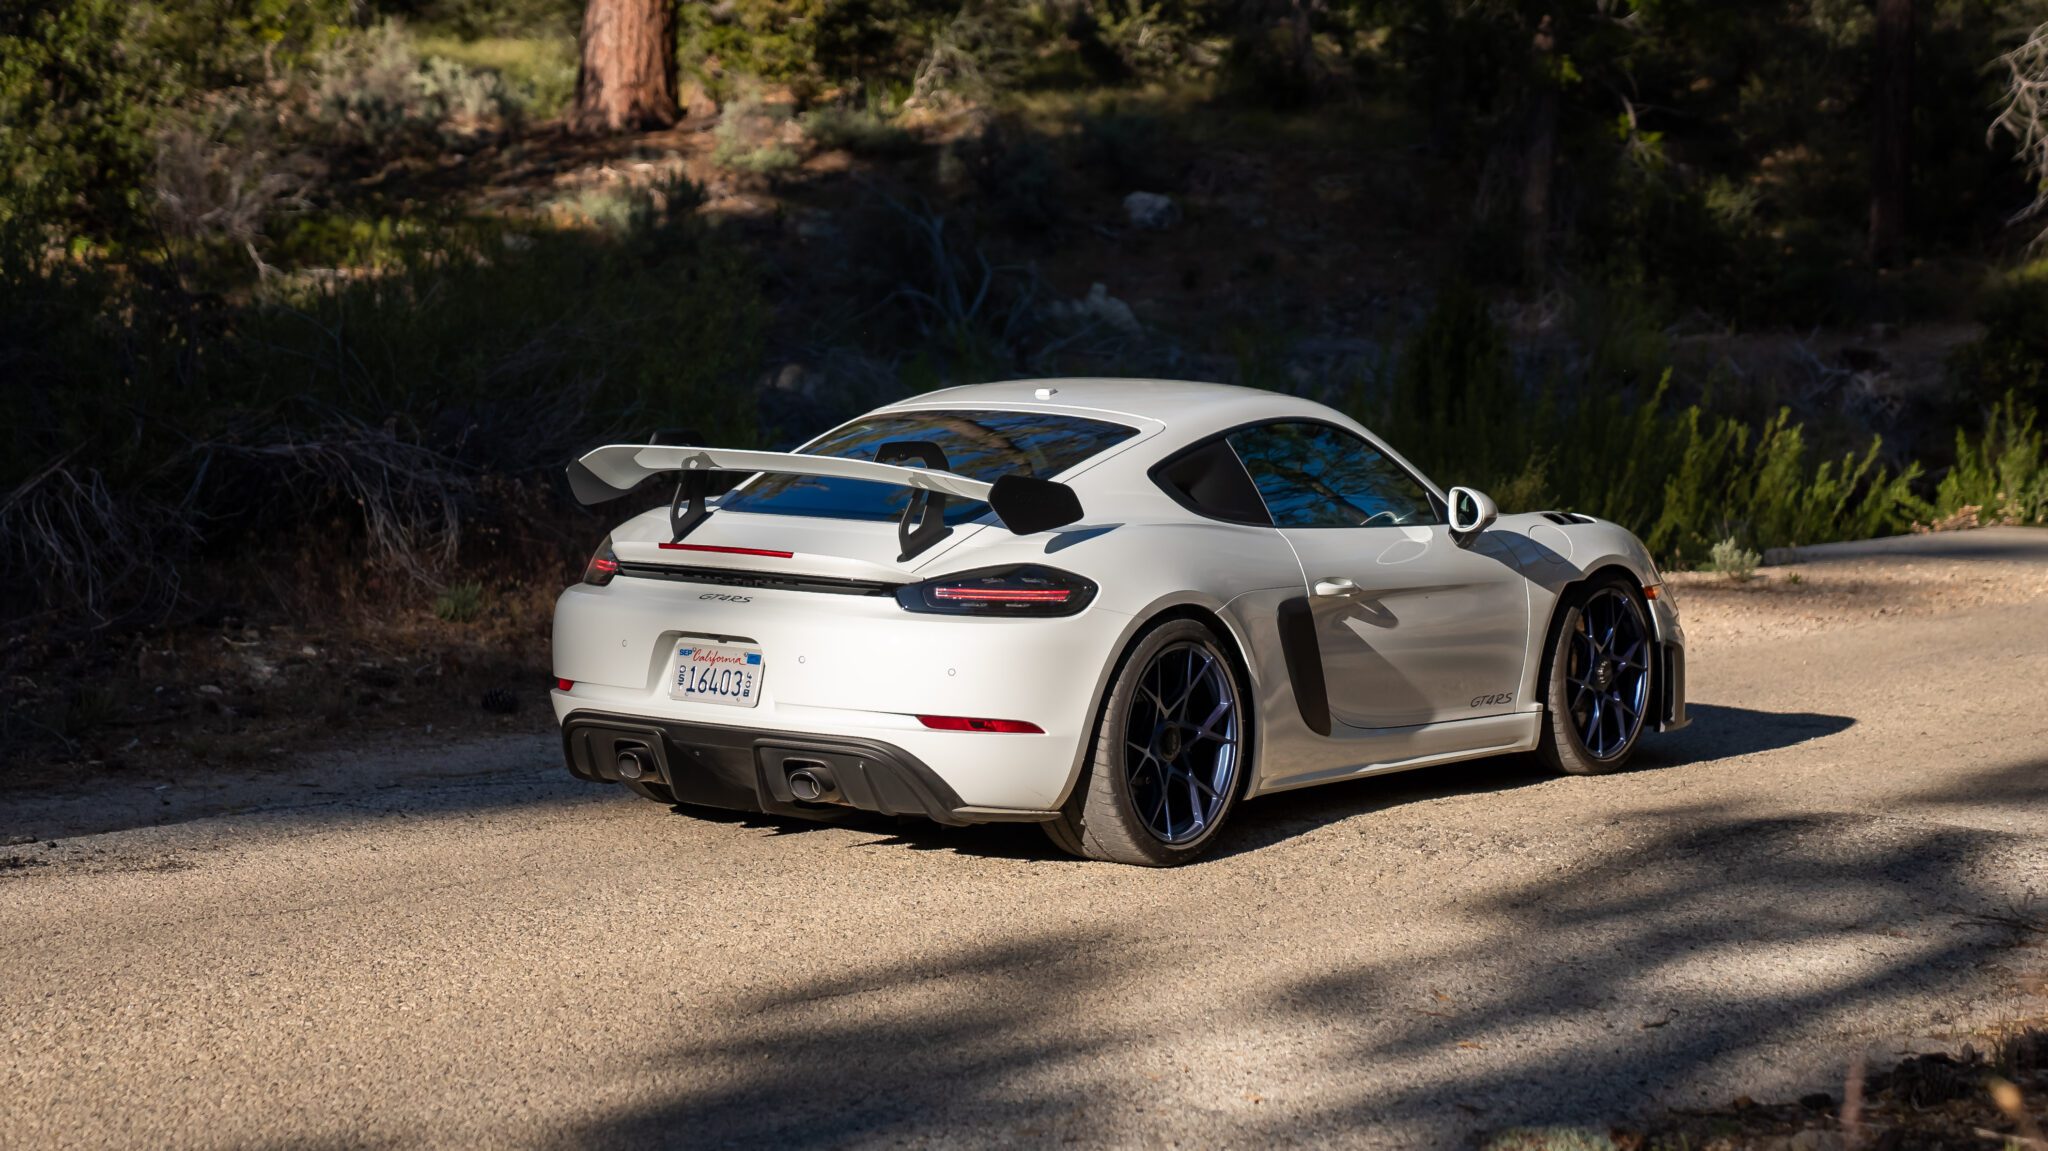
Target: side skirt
(1405,748)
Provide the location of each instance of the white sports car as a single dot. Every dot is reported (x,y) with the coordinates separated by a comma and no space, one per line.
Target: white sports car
(1116,608)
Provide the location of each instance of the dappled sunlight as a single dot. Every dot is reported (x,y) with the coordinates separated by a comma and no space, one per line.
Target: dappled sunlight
(1678,959)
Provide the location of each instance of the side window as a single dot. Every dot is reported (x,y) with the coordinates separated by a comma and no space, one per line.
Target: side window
(1315,475)
(1211,480)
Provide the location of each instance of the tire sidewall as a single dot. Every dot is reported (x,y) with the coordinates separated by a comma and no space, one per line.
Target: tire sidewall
(1108,781)
(1561,738)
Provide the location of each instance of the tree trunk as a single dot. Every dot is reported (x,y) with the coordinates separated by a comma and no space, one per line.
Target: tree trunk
(1539,157)
(628,78)
(1891,170)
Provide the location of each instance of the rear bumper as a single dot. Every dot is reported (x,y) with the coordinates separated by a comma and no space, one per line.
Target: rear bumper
(748,769)
(853,668)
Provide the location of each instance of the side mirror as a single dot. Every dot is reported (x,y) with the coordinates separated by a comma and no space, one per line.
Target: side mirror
(1028,505)
(1472,512)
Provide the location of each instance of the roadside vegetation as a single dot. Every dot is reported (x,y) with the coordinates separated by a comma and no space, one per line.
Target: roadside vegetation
(304,305)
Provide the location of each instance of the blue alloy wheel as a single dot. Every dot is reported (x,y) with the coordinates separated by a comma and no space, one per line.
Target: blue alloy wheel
(1181,742)
(1607,672)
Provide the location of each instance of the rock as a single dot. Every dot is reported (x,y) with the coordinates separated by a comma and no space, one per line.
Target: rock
(1100,307)
(1817,1140)
(210,689)
(1150,211)
(695,102)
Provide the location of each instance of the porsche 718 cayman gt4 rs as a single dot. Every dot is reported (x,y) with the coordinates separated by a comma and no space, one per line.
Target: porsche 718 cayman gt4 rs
(1117,608)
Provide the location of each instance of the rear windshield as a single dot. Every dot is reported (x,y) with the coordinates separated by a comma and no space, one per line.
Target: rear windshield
(980,445)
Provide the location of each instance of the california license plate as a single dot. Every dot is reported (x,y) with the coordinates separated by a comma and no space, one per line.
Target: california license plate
(717,673)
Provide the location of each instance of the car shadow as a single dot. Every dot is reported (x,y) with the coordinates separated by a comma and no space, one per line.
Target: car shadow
(1719,732)
(1716,733)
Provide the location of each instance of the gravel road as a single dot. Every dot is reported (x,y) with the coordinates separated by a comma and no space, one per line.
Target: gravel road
(461,946)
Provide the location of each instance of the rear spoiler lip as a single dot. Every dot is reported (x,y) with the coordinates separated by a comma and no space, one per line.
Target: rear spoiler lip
(606,473)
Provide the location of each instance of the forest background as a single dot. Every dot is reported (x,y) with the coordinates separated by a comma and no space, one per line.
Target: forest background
(305,303)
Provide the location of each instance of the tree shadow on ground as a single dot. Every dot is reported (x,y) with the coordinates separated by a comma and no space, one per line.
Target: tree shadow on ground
(1705,952)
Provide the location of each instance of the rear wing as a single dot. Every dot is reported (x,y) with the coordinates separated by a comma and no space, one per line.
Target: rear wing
(1025,504)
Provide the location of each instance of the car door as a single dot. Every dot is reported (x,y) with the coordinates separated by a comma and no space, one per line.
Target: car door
(1412,627)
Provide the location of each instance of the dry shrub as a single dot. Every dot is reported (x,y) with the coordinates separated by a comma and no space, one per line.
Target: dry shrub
(216,176)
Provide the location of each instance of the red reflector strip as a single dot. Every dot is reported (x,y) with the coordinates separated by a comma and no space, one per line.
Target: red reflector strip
(564,684)
(963,723)
(727,551)
(1003,595)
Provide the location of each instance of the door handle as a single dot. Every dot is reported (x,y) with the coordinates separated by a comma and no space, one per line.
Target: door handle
(1333,586)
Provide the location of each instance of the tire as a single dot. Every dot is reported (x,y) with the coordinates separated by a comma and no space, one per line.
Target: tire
(1599,682)
(658,792)
(1162,779)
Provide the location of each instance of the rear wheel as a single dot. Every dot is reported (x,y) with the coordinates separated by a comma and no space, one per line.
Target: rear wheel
(1169,754)
(1597,678)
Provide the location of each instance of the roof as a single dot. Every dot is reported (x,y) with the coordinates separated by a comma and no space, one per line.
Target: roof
(1181,404)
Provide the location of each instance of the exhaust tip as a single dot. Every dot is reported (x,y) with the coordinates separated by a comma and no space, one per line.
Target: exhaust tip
(813,785)
(631,766)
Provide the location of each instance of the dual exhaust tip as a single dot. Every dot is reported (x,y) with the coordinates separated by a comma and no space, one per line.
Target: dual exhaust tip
(809,780)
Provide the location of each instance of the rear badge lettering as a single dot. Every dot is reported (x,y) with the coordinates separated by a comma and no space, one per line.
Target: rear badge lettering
(1493,700)
(727,598)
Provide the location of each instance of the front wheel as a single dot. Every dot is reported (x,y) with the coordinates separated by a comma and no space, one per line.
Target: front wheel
(1597,678)
(1169,755)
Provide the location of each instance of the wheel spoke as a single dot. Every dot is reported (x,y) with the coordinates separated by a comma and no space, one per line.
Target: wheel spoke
(1195,679)
(1607,675)
(1186,696)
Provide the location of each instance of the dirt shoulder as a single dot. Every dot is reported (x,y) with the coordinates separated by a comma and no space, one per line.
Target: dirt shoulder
(1846,585)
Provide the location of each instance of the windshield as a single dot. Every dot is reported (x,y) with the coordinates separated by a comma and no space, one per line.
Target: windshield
(980,445)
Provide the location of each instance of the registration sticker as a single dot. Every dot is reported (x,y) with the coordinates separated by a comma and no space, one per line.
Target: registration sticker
(727,674)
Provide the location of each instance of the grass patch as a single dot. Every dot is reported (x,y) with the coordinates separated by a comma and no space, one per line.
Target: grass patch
(863,131)
(538,72)
(460,602)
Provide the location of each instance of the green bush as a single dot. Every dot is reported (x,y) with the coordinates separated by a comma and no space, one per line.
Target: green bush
(1733,560)
(84,85)
(1681,479)
(2001,478)
(536,74)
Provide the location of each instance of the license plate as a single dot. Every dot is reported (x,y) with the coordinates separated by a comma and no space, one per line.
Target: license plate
(717,673)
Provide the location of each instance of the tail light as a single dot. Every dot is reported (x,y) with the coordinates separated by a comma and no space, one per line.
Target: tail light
(603,565)
(1022,590)
(967,723)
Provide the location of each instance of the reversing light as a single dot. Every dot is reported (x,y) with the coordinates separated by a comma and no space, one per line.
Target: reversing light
(965,723)
(603,565)
(1018,590)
